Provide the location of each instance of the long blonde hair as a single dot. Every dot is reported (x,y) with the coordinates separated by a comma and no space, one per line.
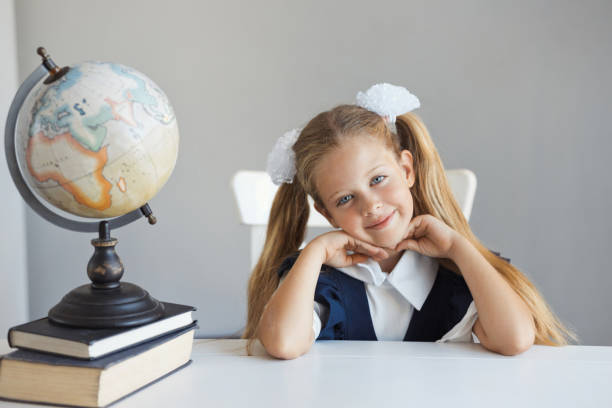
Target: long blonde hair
(431,194)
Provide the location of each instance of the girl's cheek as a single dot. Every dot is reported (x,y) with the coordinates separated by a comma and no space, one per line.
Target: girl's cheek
(398,191)
(351,219)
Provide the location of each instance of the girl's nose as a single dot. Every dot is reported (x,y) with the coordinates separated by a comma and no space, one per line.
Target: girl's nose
(372,206)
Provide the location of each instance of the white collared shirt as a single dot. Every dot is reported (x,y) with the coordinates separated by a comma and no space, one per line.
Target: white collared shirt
(392,297)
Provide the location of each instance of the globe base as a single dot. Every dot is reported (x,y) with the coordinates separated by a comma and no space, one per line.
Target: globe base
(126,305)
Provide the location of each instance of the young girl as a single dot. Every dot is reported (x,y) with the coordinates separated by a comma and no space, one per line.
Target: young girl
(403,263)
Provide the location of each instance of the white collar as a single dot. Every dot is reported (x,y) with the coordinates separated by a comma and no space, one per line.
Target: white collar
(413,276)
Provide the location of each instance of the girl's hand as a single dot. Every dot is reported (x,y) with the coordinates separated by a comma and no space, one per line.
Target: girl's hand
(333,247)
(429,236)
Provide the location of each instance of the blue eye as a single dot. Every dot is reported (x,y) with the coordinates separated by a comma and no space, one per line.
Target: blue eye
(377,179)
(344,200)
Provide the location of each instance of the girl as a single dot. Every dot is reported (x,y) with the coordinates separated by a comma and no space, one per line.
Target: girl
(403,263)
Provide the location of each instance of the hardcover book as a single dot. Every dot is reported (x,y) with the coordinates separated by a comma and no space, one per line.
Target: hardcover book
(44,335)
(32,376)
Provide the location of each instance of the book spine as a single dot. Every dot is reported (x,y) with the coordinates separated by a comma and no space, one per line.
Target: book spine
(10,338)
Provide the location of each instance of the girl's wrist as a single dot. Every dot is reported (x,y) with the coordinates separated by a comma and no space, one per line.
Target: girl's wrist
(316,250)
(458,247)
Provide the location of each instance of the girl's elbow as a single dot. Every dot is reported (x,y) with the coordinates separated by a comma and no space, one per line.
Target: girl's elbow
(525,340)
(518,345)
(285,350)
(284,353)
(286,347)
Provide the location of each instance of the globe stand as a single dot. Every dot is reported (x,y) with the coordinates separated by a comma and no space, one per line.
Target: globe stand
(106,302)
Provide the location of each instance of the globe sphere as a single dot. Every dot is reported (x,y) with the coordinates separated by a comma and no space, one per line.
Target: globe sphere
(99,142)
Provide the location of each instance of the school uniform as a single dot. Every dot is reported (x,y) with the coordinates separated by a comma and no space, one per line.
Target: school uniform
(419,300)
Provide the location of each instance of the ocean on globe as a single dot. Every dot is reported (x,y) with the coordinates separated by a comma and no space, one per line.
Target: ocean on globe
(99,142)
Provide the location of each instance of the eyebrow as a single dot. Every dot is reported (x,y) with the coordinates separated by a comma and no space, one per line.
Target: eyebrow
(376,167)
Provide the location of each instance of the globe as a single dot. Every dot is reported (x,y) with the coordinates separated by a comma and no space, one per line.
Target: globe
(98,142)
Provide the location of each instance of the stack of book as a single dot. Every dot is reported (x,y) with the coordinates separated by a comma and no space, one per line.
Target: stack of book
(63,365)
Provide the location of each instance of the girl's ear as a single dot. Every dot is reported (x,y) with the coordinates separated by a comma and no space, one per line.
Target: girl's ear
(326,214)
(407,165)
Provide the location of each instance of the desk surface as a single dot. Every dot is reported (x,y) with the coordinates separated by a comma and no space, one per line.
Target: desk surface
(367,374)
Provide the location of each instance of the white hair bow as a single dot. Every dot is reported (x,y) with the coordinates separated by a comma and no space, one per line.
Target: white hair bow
(281,160)
(389,101)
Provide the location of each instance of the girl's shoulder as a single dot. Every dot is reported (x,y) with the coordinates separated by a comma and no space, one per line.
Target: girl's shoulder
(452,286)
(287,264)
(289,261)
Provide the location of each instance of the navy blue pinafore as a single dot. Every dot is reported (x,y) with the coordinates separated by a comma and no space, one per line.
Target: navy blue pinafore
(349,315)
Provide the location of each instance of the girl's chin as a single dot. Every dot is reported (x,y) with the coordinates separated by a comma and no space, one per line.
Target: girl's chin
(389,240)
(388,245)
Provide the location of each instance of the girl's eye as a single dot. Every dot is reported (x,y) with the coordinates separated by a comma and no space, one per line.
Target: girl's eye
(344,200)
(378,179)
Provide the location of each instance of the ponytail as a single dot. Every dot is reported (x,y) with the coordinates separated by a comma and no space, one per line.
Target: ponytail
(284,235)
(432,195)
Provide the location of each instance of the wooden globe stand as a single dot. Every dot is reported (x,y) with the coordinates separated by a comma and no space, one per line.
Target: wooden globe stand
(106,302)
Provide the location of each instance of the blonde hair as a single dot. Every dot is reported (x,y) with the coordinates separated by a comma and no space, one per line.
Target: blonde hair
(431,194)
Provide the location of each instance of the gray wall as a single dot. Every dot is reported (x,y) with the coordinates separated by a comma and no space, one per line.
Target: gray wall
(518,91)
(13,275)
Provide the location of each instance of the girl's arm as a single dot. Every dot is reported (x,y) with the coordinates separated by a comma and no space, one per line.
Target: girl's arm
(285,328)
(504,324)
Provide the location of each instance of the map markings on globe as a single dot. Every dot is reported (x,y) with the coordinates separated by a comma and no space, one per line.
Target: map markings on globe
(98,142)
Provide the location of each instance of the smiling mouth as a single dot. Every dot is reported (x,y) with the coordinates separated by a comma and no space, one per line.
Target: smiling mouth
(382,223)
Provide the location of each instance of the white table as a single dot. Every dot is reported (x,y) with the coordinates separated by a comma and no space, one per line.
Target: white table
(382,374)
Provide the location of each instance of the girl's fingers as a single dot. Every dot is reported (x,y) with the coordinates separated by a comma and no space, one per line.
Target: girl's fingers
(409,244)
(415,228)
(357,258)
(370,250)
(366,249)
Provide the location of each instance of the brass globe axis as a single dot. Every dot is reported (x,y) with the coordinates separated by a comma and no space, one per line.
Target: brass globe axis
(55,72)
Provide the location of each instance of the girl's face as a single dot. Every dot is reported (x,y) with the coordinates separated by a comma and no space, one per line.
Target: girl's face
(365,190)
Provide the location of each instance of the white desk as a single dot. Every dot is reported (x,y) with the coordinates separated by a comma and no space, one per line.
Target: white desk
(385,374)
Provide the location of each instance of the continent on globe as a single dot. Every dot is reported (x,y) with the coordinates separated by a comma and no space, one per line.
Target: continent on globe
(44,156)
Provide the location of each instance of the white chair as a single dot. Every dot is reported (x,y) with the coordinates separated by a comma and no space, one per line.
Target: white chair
(254,193)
